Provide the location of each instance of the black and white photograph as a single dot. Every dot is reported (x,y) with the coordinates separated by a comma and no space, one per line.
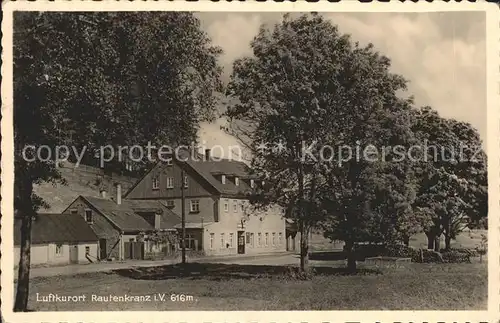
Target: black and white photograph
(248,161)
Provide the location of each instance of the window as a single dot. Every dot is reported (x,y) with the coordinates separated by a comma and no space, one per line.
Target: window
(170,182)
(195,206)
(248,237)
(88,216)
(87,250)
(186,181)
(222,240)
(212,237)
(242,205)
(235,206)
(251,239)
(59,249)
(236,181)
(223,179)
(274,238)
(73,211)
(231,235)
(170,204)
(267,239)
(280,238)
(252,183)
(226,206)
(259,239)
(156,183)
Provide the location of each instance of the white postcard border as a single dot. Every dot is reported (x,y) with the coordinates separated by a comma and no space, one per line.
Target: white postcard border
(493,148)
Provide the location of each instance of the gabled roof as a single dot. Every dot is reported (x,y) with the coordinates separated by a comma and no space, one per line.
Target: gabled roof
(57,228)
(211,170)
(125,216)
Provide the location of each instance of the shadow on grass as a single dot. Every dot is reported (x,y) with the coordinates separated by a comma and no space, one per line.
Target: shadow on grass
(213,271)
(328,255)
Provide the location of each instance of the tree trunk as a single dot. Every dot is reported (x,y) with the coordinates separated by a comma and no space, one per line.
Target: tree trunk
(430,240)
(437,244)
(351,256)
(447,242)
(304,247)
(27,213)
(406,240)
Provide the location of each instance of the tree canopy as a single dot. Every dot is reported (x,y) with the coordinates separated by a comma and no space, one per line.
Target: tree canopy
(104,78)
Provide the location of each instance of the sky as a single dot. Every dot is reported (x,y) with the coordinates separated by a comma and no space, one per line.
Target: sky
(443,55)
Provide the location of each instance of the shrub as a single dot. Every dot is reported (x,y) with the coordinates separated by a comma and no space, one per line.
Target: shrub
(416,255)
(456,256)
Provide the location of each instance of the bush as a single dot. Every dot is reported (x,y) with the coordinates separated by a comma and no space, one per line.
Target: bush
(416,255)
(459,255)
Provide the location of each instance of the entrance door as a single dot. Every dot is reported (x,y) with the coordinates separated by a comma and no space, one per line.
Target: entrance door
(103,253)
(241,242)
(73,254)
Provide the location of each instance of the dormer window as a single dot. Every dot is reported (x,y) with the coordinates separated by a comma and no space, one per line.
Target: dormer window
(88,216)
(223,179)
(236,181)
(156,183)
(252,183)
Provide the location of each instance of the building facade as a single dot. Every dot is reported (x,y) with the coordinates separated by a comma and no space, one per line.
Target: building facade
(119,225)
(219,217)
(58,240)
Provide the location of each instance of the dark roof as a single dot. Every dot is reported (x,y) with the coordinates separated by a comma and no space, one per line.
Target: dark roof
(125,216)
(56,228)
(212,170)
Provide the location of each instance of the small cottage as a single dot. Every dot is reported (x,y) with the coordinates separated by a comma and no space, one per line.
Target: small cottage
(58,240)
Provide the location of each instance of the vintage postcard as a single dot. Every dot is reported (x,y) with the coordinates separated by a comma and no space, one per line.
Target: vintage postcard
(257,162)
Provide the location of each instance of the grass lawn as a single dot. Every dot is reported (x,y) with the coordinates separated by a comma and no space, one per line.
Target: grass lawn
(251,287)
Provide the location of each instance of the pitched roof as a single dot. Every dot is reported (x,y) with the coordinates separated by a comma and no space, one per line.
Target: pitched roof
(209,170)
(125,215)
(57,228)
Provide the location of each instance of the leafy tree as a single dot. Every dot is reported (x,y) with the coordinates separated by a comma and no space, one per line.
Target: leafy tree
(305,87)
(451,175)
(103,78)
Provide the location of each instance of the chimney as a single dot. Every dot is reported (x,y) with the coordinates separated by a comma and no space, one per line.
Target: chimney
(103,193)
(118,194)
(207,154)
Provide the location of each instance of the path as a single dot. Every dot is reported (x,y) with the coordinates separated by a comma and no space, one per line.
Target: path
(264,259)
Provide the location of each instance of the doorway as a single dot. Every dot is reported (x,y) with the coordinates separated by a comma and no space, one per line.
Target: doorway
(103,253)
(241,242)
(73,254)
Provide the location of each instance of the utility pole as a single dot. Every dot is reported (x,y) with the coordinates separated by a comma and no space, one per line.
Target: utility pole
(183,219)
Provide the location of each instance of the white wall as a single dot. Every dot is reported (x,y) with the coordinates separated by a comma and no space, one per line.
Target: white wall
(45,254)
(269,221)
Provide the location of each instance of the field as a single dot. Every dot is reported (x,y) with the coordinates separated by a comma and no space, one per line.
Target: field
(467,239)
(272,284)
(252,287)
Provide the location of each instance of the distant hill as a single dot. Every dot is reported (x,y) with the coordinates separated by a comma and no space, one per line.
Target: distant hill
(82,180)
